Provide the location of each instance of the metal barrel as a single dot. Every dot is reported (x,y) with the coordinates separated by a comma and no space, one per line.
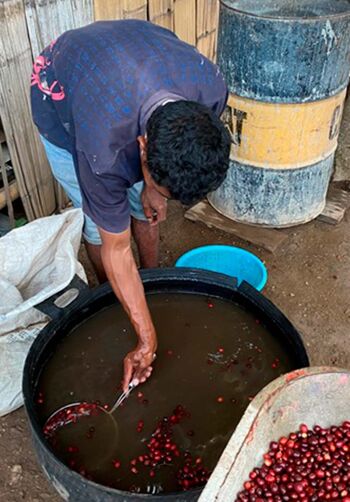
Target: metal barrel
(287,66)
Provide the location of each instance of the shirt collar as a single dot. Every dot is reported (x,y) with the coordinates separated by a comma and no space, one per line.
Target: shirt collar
(151,104)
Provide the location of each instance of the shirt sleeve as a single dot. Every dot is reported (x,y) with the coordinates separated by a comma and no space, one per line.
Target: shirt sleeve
(220,104)
(105,196)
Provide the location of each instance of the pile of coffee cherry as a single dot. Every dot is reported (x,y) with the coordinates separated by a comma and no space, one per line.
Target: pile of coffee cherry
(162,450)
(307,466)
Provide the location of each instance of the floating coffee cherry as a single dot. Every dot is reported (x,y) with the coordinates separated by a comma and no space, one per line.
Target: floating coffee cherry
(140,425)
(170,352)
(89,435)
(221,350)
(308,466)
(116,464)
(139,395)
(220,399)
(275,363)
(40,398)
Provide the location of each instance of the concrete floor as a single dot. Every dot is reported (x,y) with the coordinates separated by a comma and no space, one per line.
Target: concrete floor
(309,279)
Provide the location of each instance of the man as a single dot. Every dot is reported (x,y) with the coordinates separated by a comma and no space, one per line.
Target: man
(129,117)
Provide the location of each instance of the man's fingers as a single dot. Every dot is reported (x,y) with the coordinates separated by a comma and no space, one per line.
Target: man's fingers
(128,370)
(143,374)
(137,368)
(146,374)
(139,373)
(154,218)
(162,212)
(148,211)
(155,215)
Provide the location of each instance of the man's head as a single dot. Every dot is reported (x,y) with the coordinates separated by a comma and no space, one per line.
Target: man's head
(186,151)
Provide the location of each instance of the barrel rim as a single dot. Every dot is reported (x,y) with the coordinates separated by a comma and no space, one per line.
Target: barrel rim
(286,19)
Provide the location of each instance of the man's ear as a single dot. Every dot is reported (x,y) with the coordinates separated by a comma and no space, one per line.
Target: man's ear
(143,146)
(143,155)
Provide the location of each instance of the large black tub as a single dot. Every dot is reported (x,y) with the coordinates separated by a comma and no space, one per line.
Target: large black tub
(69,484)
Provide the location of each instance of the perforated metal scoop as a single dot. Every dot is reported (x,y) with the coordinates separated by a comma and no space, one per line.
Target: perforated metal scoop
(73,412)
(91,426)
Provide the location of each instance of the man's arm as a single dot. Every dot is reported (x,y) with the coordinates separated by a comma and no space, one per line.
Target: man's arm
(121,270)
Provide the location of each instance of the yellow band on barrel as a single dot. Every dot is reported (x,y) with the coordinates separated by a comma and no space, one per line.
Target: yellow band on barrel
(283,136)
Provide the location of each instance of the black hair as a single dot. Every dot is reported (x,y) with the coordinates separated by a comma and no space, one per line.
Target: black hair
(188,150)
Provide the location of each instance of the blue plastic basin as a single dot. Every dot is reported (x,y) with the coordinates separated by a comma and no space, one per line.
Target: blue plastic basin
(229,260)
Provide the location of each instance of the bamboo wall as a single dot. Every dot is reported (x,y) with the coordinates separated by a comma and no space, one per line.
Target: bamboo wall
(194,21)
(27,26)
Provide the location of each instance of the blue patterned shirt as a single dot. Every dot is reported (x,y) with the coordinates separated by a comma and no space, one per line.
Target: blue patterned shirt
(92,92)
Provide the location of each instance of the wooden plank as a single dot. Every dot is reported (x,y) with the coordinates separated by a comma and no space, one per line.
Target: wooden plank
(47,19)
(266,238)
(14,193)
(108,9)
(135,9)
(207,21)
(185,20)
(162,12)
(121,9)
(28,159)
(338,202)
(5,151)
(6,188)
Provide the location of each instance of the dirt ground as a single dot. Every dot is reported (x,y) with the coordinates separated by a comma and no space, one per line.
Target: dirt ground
(309,279)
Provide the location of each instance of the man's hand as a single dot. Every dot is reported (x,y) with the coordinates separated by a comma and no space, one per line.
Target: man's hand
(138,365)
(154,205)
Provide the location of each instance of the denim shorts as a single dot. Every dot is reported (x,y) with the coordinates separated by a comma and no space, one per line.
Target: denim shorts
(62,166)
